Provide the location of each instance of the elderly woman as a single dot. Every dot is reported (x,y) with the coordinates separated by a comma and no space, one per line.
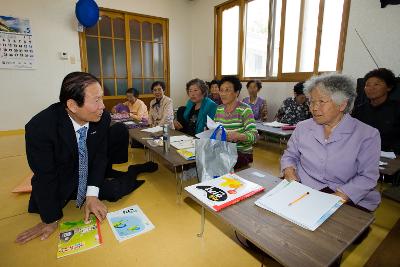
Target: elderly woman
(334,152)
(161,110)
(193,117)
(257,104)
(238,119)
(136,108)
(381,112)
(294,109)
(214,92)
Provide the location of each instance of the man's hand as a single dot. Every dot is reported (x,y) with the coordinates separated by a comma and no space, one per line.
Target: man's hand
(95,206)
(41,230)
(290,174)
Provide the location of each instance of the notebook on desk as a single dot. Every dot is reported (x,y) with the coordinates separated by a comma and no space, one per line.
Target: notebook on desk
(300,204)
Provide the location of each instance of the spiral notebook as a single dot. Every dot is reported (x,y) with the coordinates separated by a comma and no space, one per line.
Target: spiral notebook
(300,204)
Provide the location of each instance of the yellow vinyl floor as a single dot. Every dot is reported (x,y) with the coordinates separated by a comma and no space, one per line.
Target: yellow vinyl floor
(173,242)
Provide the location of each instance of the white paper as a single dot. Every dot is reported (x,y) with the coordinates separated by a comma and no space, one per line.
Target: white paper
(183,144)
(382,163)
(389,155)
(275,124)
(289,200)
(178,138)
(153,129)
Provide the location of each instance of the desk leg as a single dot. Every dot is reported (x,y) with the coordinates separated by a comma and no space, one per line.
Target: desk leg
(203,215)
(381,185)
(178,179)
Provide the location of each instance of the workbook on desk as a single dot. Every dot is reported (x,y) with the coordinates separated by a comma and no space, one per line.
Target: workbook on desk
(300,204)
(223,191)
(78,236)
(129,222)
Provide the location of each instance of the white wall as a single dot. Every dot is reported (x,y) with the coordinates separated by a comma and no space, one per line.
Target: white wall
(23,93)
(191,35)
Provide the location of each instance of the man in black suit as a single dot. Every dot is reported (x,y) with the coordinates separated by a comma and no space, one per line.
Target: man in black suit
(66,147)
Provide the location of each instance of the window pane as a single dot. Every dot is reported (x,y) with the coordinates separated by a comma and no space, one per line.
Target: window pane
(105,26)
(119,28)
(147,60)
(92,30)
(146,31)
(158,32)
(135,29)
(92,47)
(158,60)
(120,58)
(330,35)
(137,83)
(256,39)
(107,57)
(122,85)
(230,35)
(136,59)
(108,87)
(310,23)
(276,29)
(291,36)
(147,86)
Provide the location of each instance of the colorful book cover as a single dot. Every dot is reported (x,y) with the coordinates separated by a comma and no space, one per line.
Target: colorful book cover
(77,236)
(129,222)
(223,191)
(188,153)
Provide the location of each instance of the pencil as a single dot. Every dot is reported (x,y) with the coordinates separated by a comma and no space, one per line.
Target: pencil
(299,198)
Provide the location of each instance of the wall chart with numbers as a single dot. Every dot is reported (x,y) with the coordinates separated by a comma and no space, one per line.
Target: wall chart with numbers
(16,48)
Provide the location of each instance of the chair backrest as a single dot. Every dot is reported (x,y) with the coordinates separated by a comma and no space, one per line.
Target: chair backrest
(362,98)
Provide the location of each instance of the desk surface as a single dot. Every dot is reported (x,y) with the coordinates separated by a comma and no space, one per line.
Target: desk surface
(286,242)
(172,157)
(392,167)
(273,130)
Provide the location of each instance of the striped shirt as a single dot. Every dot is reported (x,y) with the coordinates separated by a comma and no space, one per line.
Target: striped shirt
(241,119)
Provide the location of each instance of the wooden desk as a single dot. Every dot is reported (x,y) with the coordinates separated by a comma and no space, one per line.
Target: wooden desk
(286,242)
(172,157)
(283,135)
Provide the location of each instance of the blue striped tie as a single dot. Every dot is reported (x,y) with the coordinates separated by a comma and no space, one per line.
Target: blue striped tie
(83,167)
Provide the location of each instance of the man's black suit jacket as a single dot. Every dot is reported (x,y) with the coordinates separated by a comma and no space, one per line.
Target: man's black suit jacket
(52,153)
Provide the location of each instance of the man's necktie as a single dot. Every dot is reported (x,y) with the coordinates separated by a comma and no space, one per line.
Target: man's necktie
(83,167)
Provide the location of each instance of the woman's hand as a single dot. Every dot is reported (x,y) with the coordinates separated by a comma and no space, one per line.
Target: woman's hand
(290,174)
(343,196)
(177,125)
(233,136)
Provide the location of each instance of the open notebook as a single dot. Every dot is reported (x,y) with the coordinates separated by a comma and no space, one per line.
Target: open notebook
(300,204)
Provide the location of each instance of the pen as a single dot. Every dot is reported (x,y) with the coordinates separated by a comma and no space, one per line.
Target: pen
(298,199)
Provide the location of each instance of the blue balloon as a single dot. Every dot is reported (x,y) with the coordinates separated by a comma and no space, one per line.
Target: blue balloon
(87,12)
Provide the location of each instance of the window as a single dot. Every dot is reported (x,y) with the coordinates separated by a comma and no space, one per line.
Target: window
(278,39)
(126,50)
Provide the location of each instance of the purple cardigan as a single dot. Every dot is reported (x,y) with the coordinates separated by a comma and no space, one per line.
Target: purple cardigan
(348,160)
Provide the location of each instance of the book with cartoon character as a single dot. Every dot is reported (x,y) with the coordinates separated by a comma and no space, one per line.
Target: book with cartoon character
(78,236)
(129,222)
(223,191)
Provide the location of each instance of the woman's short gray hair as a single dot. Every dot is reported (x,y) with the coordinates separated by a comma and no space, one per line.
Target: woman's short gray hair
(339,86)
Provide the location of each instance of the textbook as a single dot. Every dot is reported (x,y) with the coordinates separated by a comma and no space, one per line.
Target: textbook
(129,222)
(223,191)
(275,124)
(300,204)
(78,236)
(188,154)
(183,144)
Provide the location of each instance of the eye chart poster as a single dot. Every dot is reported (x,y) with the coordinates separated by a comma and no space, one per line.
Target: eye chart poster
(16,49)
